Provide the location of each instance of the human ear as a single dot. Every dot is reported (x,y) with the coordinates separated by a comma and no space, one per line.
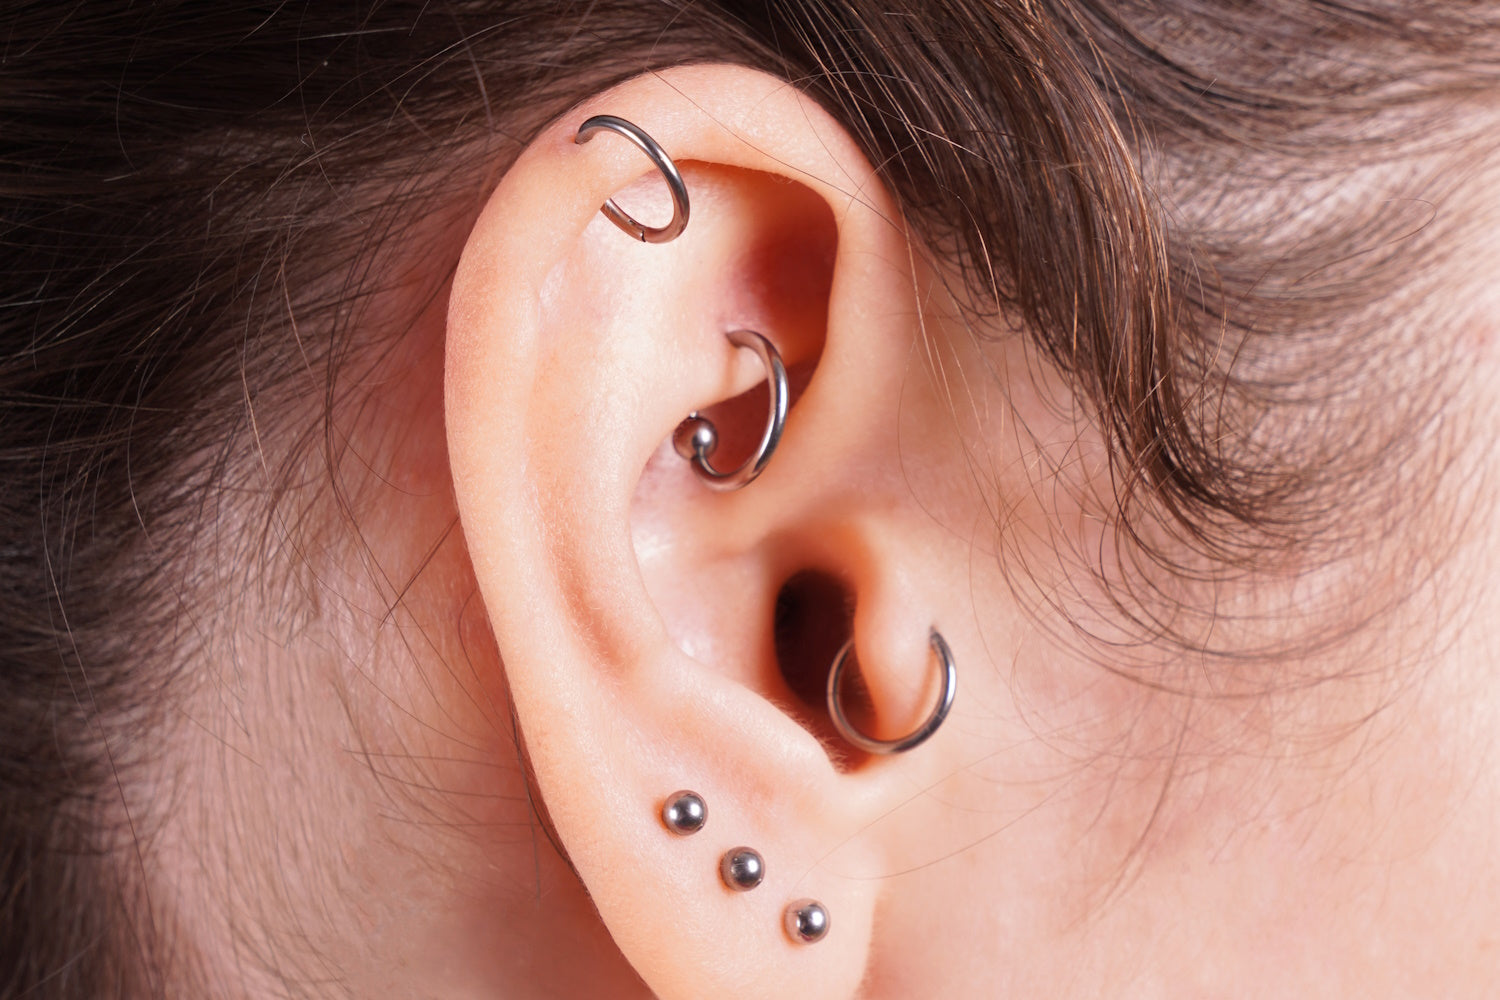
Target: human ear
(635,610)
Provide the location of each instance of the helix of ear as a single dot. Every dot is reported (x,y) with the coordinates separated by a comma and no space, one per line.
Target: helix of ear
(696,438)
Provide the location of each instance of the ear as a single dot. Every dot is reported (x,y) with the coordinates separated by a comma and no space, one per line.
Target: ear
(636,611)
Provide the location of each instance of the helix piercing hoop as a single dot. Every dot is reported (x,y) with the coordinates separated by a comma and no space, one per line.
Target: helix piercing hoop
(663,162)
(696,437)
(917,736)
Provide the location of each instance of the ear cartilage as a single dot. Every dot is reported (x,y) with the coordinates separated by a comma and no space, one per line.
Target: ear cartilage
(663,162)
(742,869)
(917,736)
(696,437)
(806,921)
(684,813)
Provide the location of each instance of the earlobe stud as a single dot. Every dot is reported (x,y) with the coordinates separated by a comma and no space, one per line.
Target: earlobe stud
(696,437)
(917,736)
(663,162)
(742,869)
(684,813)
(806,921)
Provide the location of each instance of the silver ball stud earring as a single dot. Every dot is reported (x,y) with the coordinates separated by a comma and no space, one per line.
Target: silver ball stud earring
(742,869)
(806,921)
(684,813)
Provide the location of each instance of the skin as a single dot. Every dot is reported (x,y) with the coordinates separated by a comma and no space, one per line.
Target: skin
(352,815)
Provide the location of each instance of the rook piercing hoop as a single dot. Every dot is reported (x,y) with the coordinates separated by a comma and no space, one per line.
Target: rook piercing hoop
(742,869)
(663,162)
(916,736)
(806,921)
(684,813)
(696,437)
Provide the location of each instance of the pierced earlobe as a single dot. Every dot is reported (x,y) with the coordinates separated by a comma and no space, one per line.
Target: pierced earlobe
(663,162)
(696,437)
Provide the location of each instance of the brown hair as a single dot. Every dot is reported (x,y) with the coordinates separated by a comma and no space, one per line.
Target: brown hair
(1120,180)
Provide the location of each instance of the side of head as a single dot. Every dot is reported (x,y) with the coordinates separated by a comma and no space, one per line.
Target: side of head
(360,614)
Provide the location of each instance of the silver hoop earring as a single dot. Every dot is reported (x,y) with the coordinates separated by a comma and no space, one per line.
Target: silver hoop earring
(663,162)
(696,437)
(917,736)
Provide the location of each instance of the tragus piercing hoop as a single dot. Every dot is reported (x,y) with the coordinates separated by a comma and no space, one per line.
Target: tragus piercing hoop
(658,156)
(917,736)
(696,437)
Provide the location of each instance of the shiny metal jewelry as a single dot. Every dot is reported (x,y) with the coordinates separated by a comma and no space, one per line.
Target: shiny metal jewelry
(917,736)
(696,437)
(806,921)
(684,813)
(742,869)
(663,162)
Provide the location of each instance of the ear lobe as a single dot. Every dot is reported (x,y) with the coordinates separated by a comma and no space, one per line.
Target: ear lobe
(634,609)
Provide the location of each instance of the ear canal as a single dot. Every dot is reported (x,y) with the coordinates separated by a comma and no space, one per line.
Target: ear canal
(635,610)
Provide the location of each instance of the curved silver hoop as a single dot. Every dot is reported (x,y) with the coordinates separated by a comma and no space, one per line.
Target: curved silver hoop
(917,736)
(663,162)
(696,437)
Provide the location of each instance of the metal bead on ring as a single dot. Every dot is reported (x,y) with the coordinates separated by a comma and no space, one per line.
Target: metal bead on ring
(806,921)
(915,737)
(696,437)
(684,813)
(663,162)
(742,869)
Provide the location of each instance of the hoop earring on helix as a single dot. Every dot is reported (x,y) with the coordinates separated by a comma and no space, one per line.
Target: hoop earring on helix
(696,438)
(917,736)
(658,156)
